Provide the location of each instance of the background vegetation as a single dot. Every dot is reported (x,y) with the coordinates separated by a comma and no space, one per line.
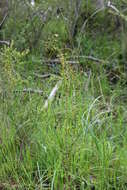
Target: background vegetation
(63,95)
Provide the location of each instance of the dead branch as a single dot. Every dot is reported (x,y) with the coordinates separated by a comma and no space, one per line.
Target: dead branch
(52,94)
(91,58)
(42,76)
(3,42)
(109,4)
(30,90)
(58,61)
(73,62)
(45,76)
(115,11)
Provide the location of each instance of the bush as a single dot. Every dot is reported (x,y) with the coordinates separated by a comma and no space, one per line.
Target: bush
(11,63)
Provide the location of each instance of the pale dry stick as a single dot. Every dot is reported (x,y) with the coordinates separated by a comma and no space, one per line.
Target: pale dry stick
(30,90)
(42,76)
(32,3)
(91,58)
(109,4)
(3,42)
(45,76)
(52,94)
(25,90)
(58,61)
(116,11)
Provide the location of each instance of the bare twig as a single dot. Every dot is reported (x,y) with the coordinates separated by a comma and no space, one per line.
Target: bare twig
(52,94)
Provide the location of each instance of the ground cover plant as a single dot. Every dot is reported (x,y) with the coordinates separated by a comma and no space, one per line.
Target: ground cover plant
(63,96)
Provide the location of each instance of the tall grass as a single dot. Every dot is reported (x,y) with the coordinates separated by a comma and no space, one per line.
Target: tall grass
(79,142)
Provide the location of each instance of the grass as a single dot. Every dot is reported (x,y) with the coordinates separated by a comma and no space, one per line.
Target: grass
(80,141)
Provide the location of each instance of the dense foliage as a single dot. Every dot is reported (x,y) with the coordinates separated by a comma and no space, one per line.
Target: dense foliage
(63,95)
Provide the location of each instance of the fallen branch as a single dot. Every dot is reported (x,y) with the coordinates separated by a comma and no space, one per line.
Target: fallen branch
(91,58)
(72,62)
(42,76)
(30,90)
(58,61)
(4,42)
(45,76)
(52,94)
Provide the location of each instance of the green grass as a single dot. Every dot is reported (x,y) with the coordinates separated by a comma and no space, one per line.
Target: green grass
(79,142)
